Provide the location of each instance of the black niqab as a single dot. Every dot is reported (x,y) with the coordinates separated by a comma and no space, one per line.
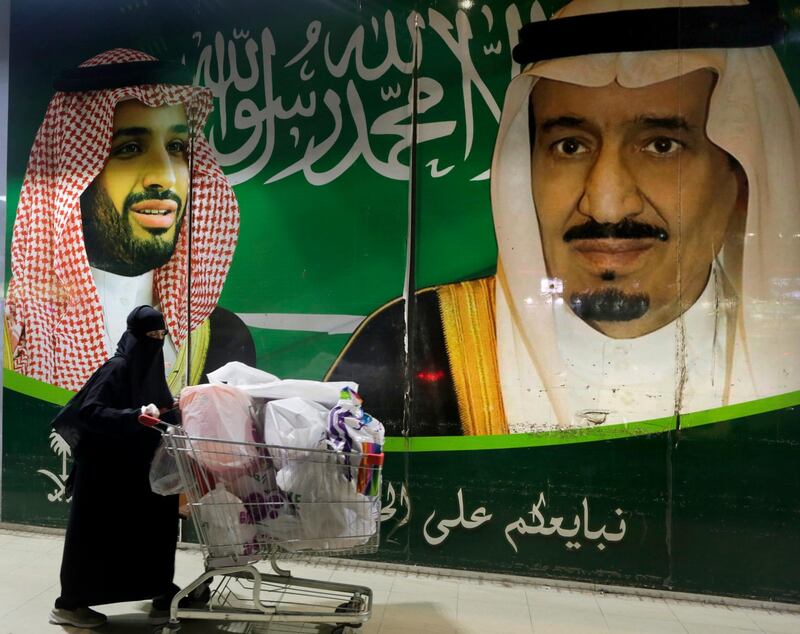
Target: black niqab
(145,356)
(135,375)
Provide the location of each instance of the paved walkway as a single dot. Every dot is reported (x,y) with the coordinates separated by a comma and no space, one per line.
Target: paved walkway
(404,602)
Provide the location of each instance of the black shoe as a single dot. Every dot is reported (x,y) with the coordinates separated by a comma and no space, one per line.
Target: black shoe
(80,617)
(197,598)
(158,617)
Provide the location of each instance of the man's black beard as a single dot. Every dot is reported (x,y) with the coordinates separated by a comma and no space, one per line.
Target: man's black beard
(109,240)
(609,304)
(612,304)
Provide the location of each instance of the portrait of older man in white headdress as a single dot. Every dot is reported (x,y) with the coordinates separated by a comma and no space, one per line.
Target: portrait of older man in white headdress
(123,203)
(645,185)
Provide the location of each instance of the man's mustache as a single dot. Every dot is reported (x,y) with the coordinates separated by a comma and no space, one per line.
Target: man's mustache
(139,197)
(625,229)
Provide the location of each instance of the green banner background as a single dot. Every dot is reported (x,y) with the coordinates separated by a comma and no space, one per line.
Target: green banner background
(708,509)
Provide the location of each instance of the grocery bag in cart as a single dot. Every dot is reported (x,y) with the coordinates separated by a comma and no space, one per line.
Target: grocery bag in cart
(219,412)
(328,466)
(360,437)
(264,386)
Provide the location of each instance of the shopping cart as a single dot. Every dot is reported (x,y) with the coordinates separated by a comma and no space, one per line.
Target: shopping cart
(329,505)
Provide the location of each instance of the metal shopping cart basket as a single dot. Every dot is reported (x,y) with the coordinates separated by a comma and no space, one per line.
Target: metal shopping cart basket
(253,502)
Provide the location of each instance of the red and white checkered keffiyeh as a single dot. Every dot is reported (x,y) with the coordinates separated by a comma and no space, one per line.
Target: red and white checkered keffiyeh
(53,306)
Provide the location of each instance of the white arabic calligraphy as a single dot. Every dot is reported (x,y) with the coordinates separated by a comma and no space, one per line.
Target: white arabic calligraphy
(329,125)
(540,526)
(388,510)
(477,518)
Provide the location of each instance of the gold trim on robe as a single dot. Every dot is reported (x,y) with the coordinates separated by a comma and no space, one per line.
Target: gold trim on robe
(201,336)
(8,352)
(468,321)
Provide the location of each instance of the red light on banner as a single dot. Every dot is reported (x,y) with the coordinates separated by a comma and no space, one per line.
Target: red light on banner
(431,377)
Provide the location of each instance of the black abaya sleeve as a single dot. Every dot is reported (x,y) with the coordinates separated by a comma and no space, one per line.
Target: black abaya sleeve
(100,411)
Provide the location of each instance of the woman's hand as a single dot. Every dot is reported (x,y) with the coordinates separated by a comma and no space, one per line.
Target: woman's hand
(150,410)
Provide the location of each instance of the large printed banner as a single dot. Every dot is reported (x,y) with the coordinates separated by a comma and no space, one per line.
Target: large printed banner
(556,247)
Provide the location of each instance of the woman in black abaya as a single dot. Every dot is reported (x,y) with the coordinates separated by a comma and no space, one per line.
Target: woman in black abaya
(121,537)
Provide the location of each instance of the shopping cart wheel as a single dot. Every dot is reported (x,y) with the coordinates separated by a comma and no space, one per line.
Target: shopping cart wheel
(354,605)
(169,628)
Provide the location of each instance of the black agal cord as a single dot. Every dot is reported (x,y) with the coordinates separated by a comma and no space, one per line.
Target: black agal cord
(107,76)
(755,24)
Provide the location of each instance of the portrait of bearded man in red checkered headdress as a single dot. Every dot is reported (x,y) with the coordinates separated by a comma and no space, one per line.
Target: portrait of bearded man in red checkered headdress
(123,203)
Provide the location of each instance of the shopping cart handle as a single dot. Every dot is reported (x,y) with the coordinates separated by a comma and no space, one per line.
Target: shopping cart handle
(149,421)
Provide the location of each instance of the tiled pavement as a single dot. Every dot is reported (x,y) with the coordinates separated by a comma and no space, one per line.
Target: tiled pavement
(404,602)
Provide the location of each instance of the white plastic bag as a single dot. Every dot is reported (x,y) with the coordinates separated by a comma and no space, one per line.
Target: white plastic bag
(221,412)
(328,512)
(326,394)
(164,476)
(228,527)
(322,526)
(260,384)
(296,423)
(237,373)
(261,497)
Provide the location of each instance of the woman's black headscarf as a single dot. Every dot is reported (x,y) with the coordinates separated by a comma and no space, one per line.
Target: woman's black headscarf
(133,377)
